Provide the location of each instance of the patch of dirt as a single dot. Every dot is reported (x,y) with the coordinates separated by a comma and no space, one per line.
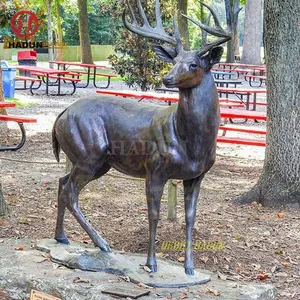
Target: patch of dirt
(260,244)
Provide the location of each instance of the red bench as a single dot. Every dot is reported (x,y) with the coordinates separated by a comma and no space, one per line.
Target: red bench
(33,80)
(240,141)
(6,104)
(227,100)
(243,129)
(20,120)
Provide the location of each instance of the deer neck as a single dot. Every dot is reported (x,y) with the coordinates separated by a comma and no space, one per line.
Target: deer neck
(198,110)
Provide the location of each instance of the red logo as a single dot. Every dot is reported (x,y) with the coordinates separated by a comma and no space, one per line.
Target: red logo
(24,24)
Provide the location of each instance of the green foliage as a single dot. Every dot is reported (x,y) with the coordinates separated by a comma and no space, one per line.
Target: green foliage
(134,60)
(7,10)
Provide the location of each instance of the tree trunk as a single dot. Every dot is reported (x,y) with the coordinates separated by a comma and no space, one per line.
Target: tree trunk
(182,6)
(3,205)
(85,44)
(232,8)
(252,32)
(279,183)
(50,31)
(59,33)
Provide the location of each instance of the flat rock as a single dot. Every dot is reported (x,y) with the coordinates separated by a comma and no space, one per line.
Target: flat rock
(87,258)
(26,269)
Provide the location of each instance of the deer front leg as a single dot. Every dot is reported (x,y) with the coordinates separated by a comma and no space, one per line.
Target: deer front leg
(154,190)
(191,194)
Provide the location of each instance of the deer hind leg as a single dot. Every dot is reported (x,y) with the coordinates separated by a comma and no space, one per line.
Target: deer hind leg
(78,178)
(61,208)
(191,194)
(154,190)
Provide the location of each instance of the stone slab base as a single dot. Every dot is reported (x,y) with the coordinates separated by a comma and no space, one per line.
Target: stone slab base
(26,269)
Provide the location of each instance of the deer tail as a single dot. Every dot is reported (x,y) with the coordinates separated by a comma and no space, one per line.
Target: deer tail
(55,143)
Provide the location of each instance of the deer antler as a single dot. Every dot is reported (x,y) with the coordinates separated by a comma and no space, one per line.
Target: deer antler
(216,31)
(146,30)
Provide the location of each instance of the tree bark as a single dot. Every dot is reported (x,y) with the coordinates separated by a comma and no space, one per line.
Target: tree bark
(182,6)
(59,32)
(232,8)
(279,182)
(252,32)
(3,205)
(50,31)
(85,44)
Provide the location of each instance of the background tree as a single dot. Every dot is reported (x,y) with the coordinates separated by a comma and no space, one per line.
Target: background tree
(182,7)
(59,31)
(233,9)
(134,59)
(85,44)
(252,32)
(3,205)
(279,182)
(48,4)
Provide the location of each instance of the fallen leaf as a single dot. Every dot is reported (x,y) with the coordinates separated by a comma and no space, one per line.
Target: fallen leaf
(285,264)
(147,269)
(20,249)
(256,266)
(184,296)
(4,223)
(280,214)
(144,286)
(180,259)
(212,292)
(23,220)
(238,270)
(281,274)
(279,251)
(222,276)
(80,280)
(125,278)
(204,259)
(262,276)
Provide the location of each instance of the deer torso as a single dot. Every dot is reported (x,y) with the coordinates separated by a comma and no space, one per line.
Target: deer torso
(180,138)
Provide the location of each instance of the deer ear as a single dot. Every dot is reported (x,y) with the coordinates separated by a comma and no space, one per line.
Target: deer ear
(165,53)
(210,58)
(215,55)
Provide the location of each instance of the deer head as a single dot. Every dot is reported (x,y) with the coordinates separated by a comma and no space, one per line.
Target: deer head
(189,66)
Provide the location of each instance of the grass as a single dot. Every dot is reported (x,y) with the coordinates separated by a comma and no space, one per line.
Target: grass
(21,103)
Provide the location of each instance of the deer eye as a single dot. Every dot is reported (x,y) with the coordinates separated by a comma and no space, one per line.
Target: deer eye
(193,67)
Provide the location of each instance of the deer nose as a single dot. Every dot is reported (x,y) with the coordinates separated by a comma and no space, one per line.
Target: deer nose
(168,79)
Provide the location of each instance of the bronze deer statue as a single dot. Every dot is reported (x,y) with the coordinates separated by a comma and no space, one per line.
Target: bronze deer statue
(144,140)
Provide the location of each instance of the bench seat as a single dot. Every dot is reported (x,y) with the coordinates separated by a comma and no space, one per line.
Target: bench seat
(241,141)
(243,129)
(20,120)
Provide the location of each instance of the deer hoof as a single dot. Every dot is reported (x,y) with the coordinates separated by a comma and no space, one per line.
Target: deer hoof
(105,248)
(63,240)
(189,271)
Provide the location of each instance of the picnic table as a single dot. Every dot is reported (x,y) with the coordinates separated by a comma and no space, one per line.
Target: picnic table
(46,75)
(20,120)
(217,74)
(225,112)
(241,92)
(89,69)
